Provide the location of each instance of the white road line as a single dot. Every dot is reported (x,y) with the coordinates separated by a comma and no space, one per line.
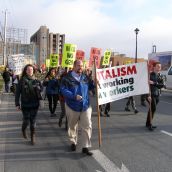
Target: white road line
(165,132)
(107,164)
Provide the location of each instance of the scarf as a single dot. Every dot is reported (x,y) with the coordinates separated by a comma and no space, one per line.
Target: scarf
(30,80)
(51,77)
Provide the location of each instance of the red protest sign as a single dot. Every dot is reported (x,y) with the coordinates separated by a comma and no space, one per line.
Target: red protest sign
(95,54)
(80,54)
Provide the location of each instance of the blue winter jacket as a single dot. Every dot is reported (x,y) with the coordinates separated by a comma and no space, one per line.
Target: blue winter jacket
(52,86)
(70,87)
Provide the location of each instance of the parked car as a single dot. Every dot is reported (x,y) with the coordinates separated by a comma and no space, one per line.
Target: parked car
(169,78)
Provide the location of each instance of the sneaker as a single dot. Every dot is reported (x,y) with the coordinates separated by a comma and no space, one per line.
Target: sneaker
(87,152)
(136,111)
(73,147)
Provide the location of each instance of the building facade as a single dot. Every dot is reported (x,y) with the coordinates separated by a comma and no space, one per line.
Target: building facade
(122,59)
(46,43)
(18,48)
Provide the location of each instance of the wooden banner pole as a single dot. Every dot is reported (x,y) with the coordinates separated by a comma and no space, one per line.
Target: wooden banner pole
(98,110)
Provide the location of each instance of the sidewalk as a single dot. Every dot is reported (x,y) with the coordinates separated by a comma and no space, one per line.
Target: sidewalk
(166,90)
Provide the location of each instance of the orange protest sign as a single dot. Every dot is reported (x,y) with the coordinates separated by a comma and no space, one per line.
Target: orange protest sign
(95,54)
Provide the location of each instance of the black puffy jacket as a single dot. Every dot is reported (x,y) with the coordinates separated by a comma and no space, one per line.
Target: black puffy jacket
(27,93)
(158,83)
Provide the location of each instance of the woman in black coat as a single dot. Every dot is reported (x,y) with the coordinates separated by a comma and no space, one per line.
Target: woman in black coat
(27,98)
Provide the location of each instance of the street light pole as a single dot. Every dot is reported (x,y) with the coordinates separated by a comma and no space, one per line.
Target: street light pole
(136,31)
(4,41)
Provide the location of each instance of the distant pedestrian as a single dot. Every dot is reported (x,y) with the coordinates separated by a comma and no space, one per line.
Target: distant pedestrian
(75,89)
(104,110)
(6,76)
(156,83)
(52,90)
(27,100)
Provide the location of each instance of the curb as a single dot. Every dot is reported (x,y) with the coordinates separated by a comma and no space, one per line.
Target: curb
(166,90)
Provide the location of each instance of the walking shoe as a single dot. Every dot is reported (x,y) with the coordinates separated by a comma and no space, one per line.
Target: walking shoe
(153,126)
(136,111)
(127,109)
(87,152)
(60,122)
(24,134)
(150,128)
(107,114)
(73,147)
(33,139)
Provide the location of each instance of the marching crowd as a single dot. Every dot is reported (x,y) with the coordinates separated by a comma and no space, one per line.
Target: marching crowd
(71,88)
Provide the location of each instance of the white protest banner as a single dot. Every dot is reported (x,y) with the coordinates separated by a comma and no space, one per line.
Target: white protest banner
(16,63)
(122,81)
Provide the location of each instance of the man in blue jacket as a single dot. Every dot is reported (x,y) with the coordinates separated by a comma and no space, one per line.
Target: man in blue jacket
(75,89)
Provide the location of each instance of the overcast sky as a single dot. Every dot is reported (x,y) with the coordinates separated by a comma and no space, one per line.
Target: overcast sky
(97,23)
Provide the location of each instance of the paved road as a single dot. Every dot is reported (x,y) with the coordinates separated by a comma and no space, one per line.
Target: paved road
(127,144)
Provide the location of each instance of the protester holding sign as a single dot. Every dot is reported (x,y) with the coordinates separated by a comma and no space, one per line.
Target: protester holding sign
(28,89)
(6,76)
(156,83)
(75,88)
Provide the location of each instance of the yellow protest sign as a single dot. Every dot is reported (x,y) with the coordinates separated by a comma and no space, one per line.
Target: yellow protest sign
(54,60)
(106,58)
(69,53)
(47,63)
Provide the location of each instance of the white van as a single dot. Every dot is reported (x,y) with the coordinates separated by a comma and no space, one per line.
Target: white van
(169,78)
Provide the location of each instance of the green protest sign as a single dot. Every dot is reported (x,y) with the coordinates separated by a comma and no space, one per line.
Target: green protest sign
(54,60)
(106,58)
(69,53)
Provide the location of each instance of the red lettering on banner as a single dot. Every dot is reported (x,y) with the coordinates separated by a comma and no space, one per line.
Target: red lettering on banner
(131,70)
(123,71)
(113,73)
(108,75)
(116,72)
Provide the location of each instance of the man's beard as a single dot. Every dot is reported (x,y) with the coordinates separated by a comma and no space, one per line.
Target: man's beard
(79,71)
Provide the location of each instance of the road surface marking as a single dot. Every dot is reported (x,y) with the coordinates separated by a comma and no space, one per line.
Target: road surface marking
(165,132)
(107,164)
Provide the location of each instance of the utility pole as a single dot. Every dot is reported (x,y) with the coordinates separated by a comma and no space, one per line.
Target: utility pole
(5,41)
